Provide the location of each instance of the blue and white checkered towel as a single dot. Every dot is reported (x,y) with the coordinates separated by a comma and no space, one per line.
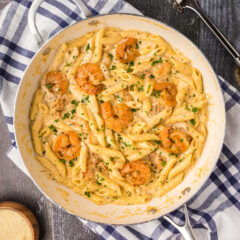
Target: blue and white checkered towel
(214,211)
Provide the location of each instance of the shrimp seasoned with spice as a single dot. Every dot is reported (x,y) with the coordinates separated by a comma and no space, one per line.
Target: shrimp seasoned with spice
(174,141)
(161,72)
(56,83)
(167,92)
(137,171)
(126,50)
(89,77)
(116,118)
(67,146)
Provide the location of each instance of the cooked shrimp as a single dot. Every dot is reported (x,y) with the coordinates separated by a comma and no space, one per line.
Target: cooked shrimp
(162,71)
(126,50)
(89,77)
(116,118)
(138,171)
(56,82)
(174,141)
(67,146)
(168,92)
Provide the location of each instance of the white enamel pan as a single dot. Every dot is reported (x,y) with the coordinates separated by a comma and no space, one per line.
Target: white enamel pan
(112,214)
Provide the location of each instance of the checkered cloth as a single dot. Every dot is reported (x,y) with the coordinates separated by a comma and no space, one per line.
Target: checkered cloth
(214,211)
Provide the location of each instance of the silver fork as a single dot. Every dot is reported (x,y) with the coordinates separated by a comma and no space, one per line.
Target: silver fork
(194,6)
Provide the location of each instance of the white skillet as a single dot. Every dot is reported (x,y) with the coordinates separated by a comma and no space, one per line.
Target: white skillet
(113,214)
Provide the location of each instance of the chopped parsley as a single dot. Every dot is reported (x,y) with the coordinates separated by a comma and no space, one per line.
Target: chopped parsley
(156,61)
(120,99)
(87,194)
(186,107)
(192,121)
(48,85)
(131,64)
(62,160)
(152,76)
(195,109)
(67,64)
(134,109)
(74,102)
(66,115)
(137,46)
(111,56)
(71,164)
(85,99)
(140,89)
(158,142)
(88,47)
(156,93)
(98,183)
(73,111)
(53,128)
(113,67)
(143,76)
(163,163)
(129,70)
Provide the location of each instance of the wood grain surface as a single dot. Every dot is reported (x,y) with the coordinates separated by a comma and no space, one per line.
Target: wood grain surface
(15,186)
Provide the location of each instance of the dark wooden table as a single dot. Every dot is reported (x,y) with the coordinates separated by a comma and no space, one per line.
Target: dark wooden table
(59,225)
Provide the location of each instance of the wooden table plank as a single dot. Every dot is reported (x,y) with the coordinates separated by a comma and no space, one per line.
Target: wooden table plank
(225,14)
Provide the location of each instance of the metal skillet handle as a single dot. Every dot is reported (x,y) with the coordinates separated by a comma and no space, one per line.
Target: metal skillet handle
(194,6)
(32,17)
(186,229)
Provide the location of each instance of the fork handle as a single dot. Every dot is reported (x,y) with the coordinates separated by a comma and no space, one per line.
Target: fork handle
(216,32)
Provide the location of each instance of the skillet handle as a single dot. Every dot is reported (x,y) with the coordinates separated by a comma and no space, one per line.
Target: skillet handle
(186,229)
(32,17)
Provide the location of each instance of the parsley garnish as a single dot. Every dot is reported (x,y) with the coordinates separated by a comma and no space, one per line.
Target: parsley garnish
(48,85)
(195,109)
(113,67)
(129,70)
(131,64)
(192,121)
(87,194)
(66,115)
(86,99)
(71,164)
(156,93)
(62,160)
(74,102)
(152,76)
(163,162)
(53,128)
(98,183)
(88,47)
(156,61)
(111,56)
(134,109)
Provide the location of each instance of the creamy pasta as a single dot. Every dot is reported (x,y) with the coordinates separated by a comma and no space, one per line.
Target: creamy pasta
(119,116)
